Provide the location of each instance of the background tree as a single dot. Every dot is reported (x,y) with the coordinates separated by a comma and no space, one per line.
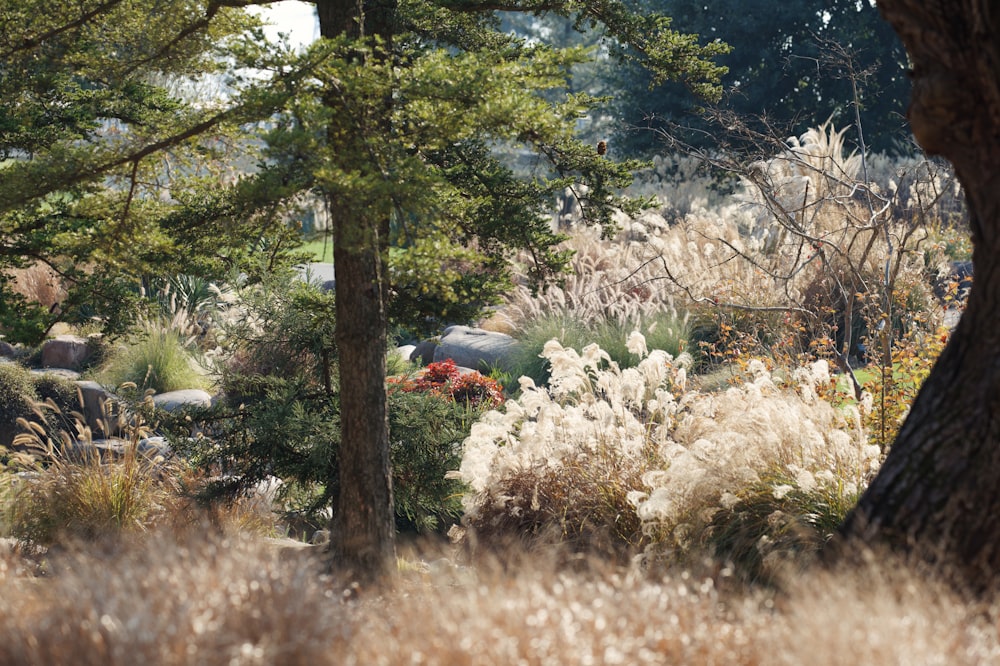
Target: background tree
(111,160)
(790,67)
(413,100)
(936,491)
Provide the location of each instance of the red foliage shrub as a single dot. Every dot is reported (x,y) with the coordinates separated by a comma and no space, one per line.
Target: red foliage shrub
(445,379)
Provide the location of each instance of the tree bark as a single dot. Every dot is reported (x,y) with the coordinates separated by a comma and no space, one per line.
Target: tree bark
(936,494)
(363,526)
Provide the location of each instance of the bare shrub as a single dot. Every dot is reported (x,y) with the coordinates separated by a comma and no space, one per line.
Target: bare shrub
(819,243)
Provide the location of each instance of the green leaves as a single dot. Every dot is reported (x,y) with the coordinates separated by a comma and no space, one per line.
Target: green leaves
(117,153)
(104,143)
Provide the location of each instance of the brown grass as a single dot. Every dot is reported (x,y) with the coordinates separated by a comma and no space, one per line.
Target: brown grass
(39,283)
(210,601)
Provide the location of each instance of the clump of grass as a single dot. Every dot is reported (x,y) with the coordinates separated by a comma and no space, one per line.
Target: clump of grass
(92,500)
(73,490)
(158,359)
(636,459)
(608,281)
(561,462)
(777,527)
(665,330)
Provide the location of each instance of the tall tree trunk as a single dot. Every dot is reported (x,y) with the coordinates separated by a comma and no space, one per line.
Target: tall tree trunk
(363,526)
(937,492)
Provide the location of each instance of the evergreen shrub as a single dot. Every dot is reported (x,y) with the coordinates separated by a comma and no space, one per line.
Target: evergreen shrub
(281,416)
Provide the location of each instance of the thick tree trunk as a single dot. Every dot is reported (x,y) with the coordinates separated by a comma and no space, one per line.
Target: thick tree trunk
(363,526)
(938,492)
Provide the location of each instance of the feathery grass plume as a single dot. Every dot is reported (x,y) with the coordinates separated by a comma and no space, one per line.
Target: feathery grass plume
(671,457)
(608,281)
(759,440)
(562,459)
(81,489)
(682,184)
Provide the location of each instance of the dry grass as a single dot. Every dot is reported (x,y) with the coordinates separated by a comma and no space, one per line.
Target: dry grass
(171,600)
(805,250)
(609,281)
(183,600)
(591,478)
(40,284)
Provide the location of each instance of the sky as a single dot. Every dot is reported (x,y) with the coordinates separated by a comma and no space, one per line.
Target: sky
(297,19)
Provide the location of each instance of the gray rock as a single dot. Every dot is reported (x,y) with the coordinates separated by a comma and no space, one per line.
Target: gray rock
(95,398)
(172,401)
(318,273)
(103,450)
(475,348)
(423,353)
(155,446)
(114,448)
(405,351)
(66,351)
(61,373)
(7,350)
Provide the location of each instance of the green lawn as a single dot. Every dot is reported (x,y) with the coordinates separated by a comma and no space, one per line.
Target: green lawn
(320,248)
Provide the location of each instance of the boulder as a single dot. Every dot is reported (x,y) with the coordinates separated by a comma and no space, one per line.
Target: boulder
(94,398)
(423,352)
(153,447)
(475,348)
(7,350)
(66,351)
(406,351)
(106,450)
(173,401)
(61,373)
(318,273)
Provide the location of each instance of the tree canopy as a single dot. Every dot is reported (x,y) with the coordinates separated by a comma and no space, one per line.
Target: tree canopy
(790,66)
(116,122)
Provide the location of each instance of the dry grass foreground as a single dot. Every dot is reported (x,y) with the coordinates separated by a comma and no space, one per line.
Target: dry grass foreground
(208,601)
